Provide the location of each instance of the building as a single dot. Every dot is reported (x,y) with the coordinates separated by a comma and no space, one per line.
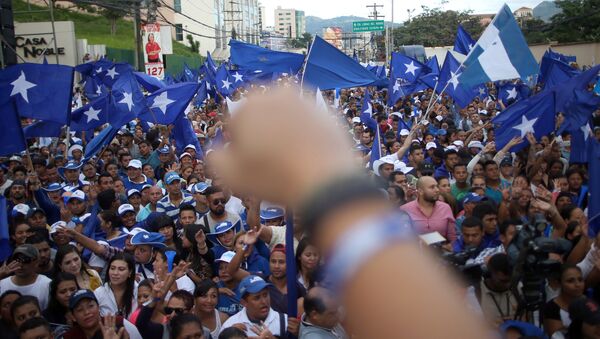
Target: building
(290,22)
(523,13)
(262,17)
(273,41)
(545,10)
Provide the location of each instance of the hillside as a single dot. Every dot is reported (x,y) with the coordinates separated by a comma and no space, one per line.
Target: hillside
(96,29)
(315,25)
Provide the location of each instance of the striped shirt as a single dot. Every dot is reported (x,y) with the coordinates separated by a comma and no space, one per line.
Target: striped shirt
(164,205)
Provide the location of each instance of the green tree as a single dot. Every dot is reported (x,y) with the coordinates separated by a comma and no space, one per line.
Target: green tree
(578,21)
(533,30)
(434,27)
(194,45)
(113,10)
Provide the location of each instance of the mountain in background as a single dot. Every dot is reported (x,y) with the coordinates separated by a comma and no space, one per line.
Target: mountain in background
(315,25)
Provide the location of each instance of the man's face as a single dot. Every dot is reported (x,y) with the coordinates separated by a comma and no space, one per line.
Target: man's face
(72,175)
(125,160)
(134,173)
(330,317)
(17,192)
(155,194)
(490,223)
(429,191)
(499,281)
(277,264)
(385,170)
(460,174)
(400,180)
(478,183)
(416,157)
(472,236)
(491,172)
(257,304)
(451,160)
(89,171)
(217,203)
(176,306)
(106,183)
(187,217)
(25,312)
(142,254)
(144,149)
(38,220)
(28,266)
(507,171)
(164,157)
(366,138)
(76,206)
(174,187)
(44,250)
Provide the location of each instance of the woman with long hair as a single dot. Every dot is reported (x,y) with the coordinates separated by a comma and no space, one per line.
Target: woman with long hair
(198,254)
(118,295)
(68,259)
(62,287)
(307,262)
(111,223)
(164,225)
(206,296)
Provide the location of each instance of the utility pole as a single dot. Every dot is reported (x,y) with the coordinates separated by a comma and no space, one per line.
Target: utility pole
(152,9)
(137,26)
(392,34)
(232,18)
(375,16)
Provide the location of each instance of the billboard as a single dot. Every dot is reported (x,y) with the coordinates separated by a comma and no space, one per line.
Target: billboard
(333,35)
(153,56)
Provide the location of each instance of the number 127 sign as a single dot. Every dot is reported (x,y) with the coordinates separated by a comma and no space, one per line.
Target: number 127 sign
(155,69)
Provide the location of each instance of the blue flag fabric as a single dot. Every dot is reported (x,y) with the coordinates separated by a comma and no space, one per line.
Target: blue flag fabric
(579,142)
(290,261)
(594,186)
(450,79)
(128,99)
(100,141)
(5,248)
(41,92)
(366,112)
(429,79)
(535,115)
(93,115)
(41,129)
(407,68)
(251,57)
(554,71)
(500,53)
(201,95)
(210,63)
(189,75)
(482,91)
(108,72)
(183,134)
(509,93)
(12,139)
(93,89)
(167,104)
(573,99)
(224,82)
(376,148)
(148,82)
(327,68)
(463,42)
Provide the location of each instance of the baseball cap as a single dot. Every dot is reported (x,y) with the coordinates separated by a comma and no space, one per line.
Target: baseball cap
(148,238)
(135,163)
(53,187)
(404,132)
(199,187)
(458,143)
(190,146)
(164,150)
(15,158)
(226,257)
(20,208)
(184,154)
(132,192)
(472,197)
(430,145)
(27,250)
(146,186)
(272,213)
(506,161)
(356,120)
(475,144)
(79,296)
(78,194)
(252,284)
(172,176)
(125,208)
(278,248)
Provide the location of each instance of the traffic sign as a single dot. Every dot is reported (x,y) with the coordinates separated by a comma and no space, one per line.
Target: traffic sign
(367,26)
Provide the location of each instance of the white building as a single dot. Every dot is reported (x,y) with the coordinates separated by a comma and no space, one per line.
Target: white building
(290,22)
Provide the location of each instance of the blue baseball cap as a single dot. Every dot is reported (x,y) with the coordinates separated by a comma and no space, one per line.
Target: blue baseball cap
(199,187)
(272,213)
(473,197)
(171,176)
(252,284)
(164,150)
(79,296)
(53,187)
(149,238)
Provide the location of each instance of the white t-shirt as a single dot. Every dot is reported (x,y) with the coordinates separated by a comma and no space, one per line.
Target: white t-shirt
(131,330)
(108,303)
(234,205)
(39,289)
(272,322)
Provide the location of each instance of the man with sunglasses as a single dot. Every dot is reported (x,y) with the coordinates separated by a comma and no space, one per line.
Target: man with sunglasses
(218,214)
(26,279)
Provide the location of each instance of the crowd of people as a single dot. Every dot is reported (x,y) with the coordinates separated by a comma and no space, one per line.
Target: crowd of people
(145,242)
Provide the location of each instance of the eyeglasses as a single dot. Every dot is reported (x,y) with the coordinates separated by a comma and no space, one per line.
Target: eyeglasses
(219,202)
(170,310)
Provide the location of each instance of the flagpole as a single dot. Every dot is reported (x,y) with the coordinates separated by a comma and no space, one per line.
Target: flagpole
(304,64)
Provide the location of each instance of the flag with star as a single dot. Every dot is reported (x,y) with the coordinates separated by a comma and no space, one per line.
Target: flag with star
(535,115)
(108,72)
(92,115)
(463,43)
(407,68)
(39,91)
(167,104)
(429,78)
(224,82)
(482,91)
(449,76)
(579,141)
(128,99)
(508,93)
(366,112)
(93,88)
(148,82)
(575,101)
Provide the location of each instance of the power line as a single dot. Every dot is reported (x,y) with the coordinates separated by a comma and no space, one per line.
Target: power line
(185,30)
(185,15)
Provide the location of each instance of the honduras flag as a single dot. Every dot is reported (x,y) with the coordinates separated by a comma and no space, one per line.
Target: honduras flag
(41,129)
(93,115)
(128,99)
(167,104)
(500,53)
(39,91)
(450,79)
(407,68)
(5,248)
(224,82)
(579,142)
(463,42)
(508,93)
(183,134)
(12,139)
(92,88)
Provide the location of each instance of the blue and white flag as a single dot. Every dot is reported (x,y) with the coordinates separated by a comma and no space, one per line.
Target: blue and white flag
(450,76)
(42,129)
(93,115)
(407,68)
(148,82)
(500,53)
(183,134)
(39,91)
(167,104)
(366,112)
(128,99)
(224,82)
(463,42)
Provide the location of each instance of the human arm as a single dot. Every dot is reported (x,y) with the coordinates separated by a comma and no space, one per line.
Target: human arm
(557,221)
(407,142)
(100,250)
(248,241)
(501,153)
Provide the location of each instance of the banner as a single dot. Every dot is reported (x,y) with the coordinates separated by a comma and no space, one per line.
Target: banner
(151,41)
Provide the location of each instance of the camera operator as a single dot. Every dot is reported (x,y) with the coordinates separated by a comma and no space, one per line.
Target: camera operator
(471,237)
(498,301)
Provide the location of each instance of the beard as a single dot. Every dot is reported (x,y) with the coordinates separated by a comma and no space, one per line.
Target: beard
(219,210)
(431,198)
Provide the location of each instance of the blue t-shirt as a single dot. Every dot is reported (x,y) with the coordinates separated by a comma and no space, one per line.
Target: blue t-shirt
(229,304)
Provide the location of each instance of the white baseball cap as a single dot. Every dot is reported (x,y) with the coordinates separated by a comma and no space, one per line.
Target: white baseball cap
(430,145)
(475,144)
(135,163)
(404,132)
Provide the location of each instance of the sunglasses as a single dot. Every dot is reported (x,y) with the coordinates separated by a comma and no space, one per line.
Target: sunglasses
(219,202)
(23,260)
(170,310)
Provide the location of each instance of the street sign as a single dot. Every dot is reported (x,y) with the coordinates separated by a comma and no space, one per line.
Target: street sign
(367,26)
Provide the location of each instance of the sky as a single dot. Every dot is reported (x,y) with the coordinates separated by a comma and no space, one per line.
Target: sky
(327,9)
